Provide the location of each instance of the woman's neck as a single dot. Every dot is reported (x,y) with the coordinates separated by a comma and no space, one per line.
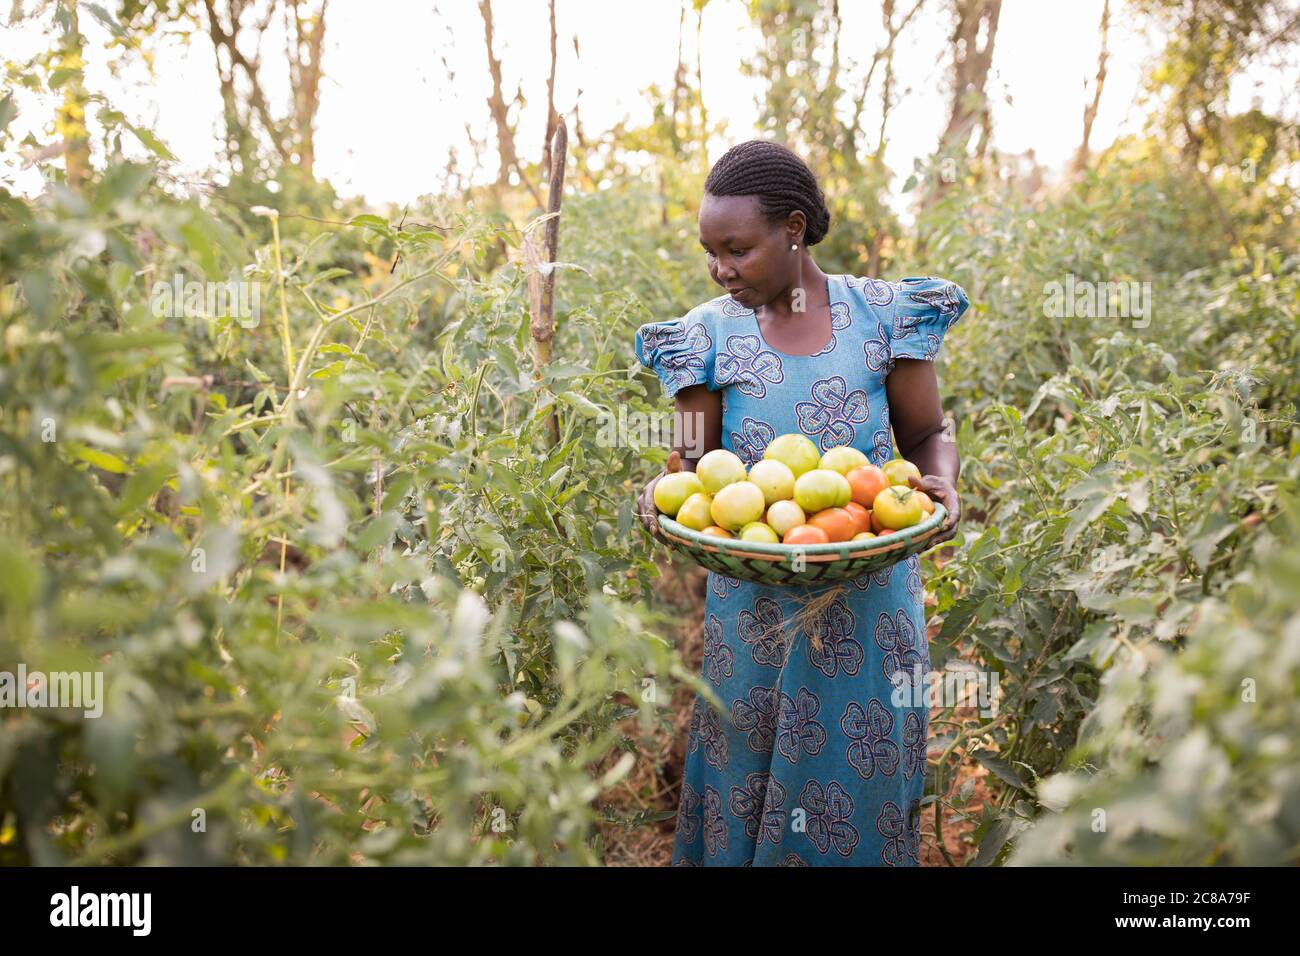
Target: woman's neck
(807,293)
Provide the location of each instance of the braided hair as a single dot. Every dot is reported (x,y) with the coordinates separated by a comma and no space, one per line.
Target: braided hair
(780,179)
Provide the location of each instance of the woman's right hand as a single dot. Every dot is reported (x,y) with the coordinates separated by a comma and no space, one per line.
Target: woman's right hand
(646,508)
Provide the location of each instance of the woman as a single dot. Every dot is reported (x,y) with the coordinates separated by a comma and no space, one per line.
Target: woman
(815,760)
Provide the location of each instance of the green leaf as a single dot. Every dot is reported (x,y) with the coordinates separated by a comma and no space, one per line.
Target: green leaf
(553,373)
(329,275)
(1084,515)
(588,408)
(152,143)
(256,372)
(333,370)
(379,225)
(62,75)
(100,459)
(141,486)
(1003,770)
(567,495)
(105,18)
(378,531)
(8,110)
(999,832)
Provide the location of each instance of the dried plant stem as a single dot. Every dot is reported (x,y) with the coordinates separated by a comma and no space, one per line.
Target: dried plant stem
(805,620)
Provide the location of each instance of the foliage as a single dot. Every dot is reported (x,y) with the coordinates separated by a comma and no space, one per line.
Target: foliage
(324,559)
(354,606)
(1124,479)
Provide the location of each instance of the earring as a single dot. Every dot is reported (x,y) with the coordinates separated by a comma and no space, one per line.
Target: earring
(794,246)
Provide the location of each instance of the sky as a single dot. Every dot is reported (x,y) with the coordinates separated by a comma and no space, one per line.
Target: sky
(389,113)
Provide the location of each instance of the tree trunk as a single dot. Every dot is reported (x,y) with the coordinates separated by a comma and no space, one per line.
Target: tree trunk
(699,81)
(304,76)
(496,102)
(970,70)
(72,112)
(225,39)
(550,102)
(1090,111)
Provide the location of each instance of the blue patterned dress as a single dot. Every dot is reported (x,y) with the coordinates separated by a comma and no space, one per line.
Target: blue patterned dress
(816,761)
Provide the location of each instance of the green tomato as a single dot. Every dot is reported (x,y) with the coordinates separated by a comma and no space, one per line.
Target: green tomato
(821,488)
(795,451)
(672,490)
(694,513)
(719,468)
(757,531)
(897,507)
(843,459)
(737,504)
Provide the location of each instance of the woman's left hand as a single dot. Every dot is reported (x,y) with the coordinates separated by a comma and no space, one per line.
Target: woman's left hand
(941,490)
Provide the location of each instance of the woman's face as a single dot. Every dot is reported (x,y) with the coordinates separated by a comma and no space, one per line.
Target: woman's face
(748,256)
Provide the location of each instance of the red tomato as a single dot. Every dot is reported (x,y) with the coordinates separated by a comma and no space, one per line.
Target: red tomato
(861,517)
(805,534)
(838,524)
(865,482)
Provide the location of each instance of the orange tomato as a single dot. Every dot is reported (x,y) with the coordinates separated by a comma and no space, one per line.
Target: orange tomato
(717,532)
(876,526)
(861,517)
(838,523)
(927,503)
(865,482)
(805,534)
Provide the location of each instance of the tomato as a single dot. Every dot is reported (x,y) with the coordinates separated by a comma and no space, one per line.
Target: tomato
(861,517)
(927,503)
(838,524)
(876,526)
(774,478)
(897,471)
(866,482)
(736,505)
(821,488)
(719,468)
(805,534)
(758,531)
(784,515)
(795,451)
(897,507)
(717,532)
(672,490)
(695,512)
(843,458)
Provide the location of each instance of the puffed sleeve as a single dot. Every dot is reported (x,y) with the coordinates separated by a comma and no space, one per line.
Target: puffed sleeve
(679,351)
(924,310)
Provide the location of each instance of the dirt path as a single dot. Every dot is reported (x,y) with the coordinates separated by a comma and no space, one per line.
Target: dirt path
(654,785)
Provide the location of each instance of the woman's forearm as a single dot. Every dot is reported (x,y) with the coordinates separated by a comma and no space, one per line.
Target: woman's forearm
(936,455)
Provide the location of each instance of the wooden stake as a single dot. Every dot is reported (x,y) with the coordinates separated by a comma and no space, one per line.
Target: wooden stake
(542,325)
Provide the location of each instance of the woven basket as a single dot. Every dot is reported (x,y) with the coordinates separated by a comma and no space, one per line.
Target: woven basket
(775,563)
